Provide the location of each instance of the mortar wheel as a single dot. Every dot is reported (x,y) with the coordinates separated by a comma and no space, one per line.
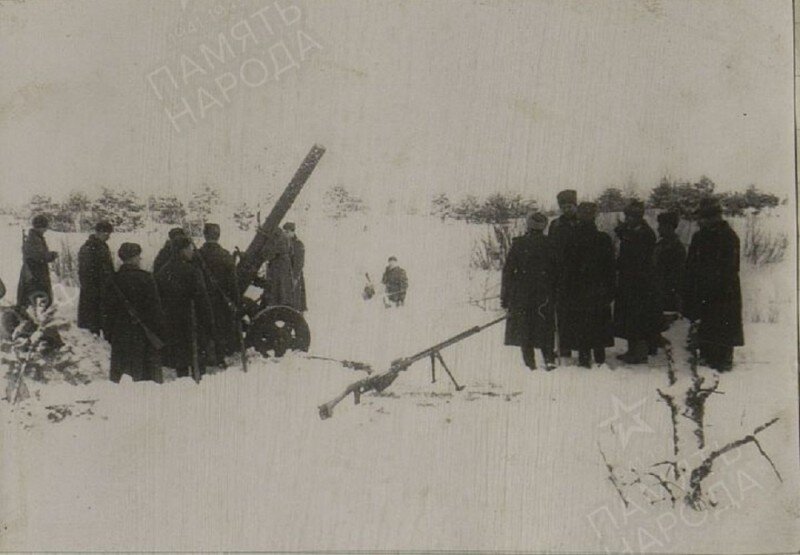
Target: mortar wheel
(278,329)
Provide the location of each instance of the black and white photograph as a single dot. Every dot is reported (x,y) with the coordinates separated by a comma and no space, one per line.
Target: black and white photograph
(399,276)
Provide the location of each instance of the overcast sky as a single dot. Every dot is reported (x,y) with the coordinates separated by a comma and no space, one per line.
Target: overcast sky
(409,97)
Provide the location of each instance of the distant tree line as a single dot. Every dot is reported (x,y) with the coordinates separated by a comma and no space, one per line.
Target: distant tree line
(124,209)
(495,209)
(128,212)
(681,196)
(684,197)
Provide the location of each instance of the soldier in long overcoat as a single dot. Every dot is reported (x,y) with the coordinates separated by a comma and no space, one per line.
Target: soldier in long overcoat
(712,292)
(219,272)
(95,267)
(587,274)
(636,310)
(34,277)
(561,233)
(167,252)
(130,299)
(181,287)
(528,291)
(670,260)
(277,283)
(297,254)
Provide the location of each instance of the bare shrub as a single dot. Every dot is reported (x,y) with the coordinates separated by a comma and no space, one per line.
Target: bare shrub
(65,267)
(490,252)
(761,245)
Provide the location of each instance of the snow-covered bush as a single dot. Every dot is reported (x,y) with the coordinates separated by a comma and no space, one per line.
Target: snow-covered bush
(36,351)
(243,216)
(340,203)
(166,209)
(441,207)
(685,197)
(202,204)
(612,199)
(499,208)
(122,209)
(60,218)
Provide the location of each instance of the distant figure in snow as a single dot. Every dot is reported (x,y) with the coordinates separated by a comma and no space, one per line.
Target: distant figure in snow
(561,232)
(95,267)
(130,301)
(587,274)
(636,307)
(297,255)
(528,291)
(167,252)
(219,272)
(181,286)
(34,277)
(712,295)
(396,282)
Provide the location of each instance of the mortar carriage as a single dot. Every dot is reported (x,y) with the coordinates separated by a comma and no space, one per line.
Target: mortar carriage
(273,329)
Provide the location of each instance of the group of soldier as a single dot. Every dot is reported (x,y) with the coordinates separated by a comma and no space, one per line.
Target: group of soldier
(567,291)
(184,315)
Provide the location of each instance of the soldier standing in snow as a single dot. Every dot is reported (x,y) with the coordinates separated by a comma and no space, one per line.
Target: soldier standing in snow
(167,252)
(712,293)
(182,288)
(636,308)
(132,314)
(669,260)
(297,254)
(34,277)
(528,291)
(561,232)
(396,282)
(219,272)
(588,275)
(277,282)
(95,267)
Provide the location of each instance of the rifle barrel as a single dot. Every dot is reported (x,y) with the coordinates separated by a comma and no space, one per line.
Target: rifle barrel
(446,343)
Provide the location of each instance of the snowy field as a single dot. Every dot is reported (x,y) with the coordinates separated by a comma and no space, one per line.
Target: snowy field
(513,462)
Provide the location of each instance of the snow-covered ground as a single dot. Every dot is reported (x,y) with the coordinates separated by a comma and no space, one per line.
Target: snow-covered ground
(513,462)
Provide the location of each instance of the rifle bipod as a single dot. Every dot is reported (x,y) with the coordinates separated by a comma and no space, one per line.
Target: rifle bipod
(438,355)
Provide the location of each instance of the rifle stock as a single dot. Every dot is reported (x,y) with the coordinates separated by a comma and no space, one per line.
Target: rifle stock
(237,320)
(154,340)
(195,351)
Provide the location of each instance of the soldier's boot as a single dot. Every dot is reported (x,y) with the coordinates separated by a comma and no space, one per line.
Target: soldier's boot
(599,355)
(637,352)
(652,345)
(549,359)
(720,358)
(584,358)
(529,356)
